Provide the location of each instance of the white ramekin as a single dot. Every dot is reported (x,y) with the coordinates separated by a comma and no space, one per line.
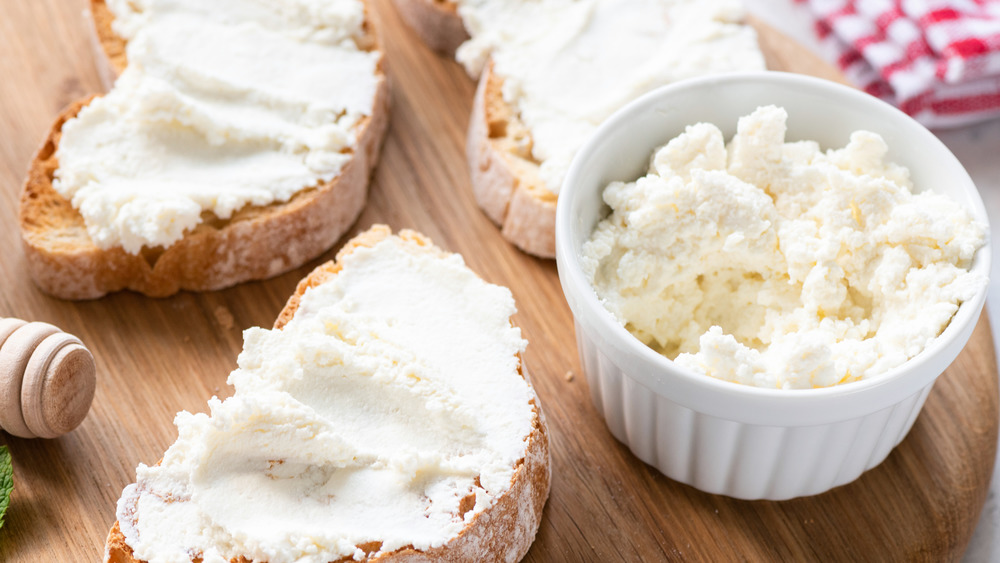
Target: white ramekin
(723,437)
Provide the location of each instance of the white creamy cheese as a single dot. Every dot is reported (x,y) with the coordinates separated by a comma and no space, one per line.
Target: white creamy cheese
(777,264)
(393,393)
(569,64)
(222,105)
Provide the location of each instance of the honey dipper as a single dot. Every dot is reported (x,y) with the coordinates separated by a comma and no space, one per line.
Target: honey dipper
(47,379)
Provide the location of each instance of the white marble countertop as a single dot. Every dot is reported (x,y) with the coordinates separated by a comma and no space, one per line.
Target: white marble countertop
(978,148)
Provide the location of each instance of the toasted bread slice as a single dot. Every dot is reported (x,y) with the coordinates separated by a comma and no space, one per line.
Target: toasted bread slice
(257,242)
(501,532)
(504,175)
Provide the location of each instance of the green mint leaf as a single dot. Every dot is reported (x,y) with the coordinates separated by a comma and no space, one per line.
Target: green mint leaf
(6,481)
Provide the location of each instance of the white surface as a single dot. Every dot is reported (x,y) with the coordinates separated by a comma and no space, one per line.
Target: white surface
(978,148)
(751,442)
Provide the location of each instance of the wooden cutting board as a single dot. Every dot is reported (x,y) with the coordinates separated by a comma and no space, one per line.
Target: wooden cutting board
(156,357)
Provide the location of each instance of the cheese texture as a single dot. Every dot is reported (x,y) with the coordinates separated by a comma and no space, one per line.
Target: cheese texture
(778,264)
(567,65)
(392,394)
(222,105)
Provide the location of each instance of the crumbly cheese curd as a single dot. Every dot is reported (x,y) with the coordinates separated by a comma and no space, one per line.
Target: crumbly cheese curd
(567,65)
(223,104)
(778,264)
(390,409)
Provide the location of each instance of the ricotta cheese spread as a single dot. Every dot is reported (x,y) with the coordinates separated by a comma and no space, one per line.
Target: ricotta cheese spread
(392,395)
(567,65)
(223,104)
(776,264)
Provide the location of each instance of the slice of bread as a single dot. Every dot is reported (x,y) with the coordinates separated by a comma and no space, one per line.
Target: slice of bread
(502,531)
(504,175)
(257,242)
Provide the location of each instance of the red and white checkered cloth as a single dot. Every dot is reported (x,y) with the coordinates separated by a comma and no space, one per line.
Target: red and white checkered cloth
(937,60)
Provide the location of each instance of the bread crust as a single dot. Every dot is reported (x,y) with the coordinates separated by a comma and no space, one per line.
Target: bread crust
(505,177)
(502,532)
(109,48)
(257,242)
(436,22)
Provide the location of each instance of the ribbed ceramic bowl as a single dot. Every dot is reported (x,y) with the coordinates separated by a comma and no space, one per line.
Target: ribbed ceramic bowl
(723,437)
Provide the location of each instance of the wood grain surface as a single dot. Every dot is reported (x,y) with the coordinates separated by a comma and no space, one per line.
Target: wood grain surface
(156,357)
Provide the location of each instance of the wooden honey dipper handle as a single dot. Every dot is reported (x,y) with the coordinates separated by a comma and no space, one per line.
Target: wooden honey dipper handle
(47,379)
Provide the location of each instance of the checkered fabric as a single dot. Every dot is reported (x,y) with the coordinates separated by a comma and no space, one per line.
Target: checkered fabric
(937,60)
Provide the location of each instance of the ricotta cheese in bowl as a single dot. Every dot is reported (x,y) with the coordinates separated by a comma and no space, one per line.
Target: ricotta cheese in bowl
(778,264)
(832,258)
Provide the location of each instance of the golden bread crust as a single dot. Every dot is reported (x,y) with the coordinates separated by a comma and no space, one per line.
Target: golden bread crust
(502,532)
(258,242)
(505,178)
(112,45)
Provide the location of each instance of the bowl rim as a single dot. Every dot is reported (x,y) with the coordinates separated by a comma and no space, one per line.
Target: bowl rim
(670,379)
